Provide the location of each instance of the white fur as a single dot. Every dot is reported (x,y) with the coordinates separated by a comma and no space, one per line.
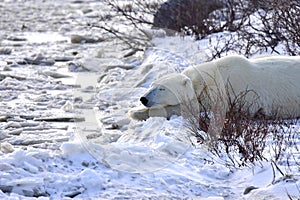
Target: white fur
(274,82)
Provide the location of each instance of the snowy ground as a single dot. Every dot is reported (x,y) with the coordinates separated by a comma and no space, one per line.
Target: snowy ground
(64,128)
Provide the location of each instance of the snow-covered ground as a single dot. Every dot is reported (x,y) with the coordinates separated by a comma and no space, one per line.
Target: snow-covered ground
(47,83)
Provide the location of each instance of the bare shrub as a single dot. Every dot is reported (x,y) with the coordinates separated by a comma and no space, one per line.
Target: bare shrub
(285,147)
(268,26)
(252,26)
(245,139)
(187,16)
(242,138)
(124,22)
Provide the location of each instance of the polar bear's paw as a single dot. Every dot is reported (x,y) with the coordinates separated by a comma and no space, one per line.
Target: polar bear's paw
(139,114)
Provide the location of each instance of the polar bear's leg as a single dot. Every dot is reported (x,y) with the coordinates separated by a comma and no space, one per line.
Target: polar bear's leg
(144,113)
(139,114)
(166,111)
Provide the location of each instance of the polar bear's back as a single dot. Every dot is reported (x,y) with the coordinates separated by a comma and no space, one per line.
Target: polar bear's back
(275,79)
(264,72)
(277,82)
(278,62)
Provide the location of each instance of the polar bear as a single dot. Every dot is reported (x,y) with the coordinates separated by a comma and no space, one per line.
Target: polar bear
(273,82)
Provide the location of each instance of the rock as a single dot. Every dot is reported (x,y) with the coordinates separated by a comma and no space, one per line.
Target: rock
(130,53)
(6,147)
(55,74)
(76,67)
(78,1)
(3,118)
(16,39)
(249,189)
(77,39)
(92,14)
(68,107)
(78,100)
(7,68)
(17,131)
(13,125)
(179,14)
(11,76)
(87,10)
(39,60)
(63,59)
(5,51)
(6,188)
(30,187)
(74,193)
(60,119)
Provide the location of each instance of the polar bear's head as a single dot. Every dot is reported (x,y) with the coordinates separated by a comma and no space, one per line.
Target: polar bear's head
(169,90)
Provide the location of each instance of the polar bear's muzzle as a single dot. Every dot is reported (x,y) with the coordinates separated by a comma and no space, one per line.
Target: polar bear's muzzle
(144,101)
(147,99)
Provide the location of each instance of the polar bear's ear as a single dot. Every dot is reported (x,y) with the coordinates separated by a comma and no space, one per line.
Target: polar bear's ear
(186,81)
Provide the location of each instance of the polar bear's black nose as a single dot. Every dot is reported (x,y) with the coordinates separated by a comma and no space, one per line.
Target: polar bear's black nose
(144,100)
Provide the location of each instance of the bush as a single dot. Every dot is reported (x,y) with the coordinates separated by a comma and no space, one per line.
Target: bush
(268,26)
(186,16)
(243,139)
(124,22)
(251,26)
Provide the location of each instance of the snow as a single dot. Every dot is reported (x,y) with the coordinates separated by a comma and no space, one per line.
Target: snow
(150,159)
(109,155)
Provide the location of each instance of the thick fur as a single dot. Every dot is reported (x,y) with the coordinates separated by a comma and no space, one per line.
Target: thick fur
(273,84)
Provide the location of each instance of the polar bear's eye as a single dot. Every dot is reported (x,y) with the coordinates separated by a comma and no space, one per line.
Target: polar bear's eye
(162,89)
